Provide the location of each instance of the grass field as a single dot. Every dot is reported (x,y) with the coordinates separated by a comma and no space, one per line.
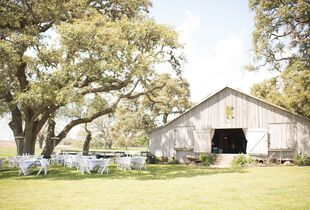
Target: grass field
(159,187)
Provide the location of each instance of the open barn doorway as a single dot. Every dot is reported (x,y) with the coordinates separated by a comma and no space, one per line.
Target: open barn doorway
(231,141)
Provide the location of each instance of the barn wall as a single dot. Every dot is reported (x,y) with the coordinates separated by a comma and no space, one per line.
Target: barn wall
(248,112)
(303,136)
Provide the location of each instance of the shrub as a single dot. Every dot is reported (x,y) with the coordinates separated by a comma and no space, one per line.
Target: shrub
(157,159)
(301,159)
(242,160)
(206,159)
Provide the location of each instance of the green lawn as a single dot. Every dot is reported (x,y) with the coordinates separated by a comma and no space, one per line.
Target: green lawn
(7,152)
(159,187)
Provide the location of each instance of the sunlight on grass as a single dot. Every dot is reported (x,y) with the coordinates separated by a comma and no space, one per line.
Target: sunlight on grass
(7,152)
(159,187)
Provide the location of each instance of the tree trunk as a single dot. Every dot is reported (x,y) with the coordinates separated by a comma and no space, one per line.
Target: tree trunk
(165,118)
(86,144)
(30,136)
(108,144)
(41,140)
(48,148)
(16,126)
(49,144)
(29,144)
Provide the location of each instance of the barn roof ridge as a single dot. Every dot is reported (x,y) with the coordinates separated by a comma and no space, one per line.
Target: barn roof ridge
(220,90)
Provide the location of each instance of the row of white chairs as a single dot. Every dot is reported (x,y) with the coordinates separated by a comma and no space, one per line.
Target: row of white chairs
(15,161)
(67,160)
(26,163)
(82,163)
(88,165)
(128,163)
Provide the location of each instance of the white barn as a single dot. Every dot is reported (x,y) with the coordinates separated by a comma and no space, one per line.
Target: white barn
(230,121)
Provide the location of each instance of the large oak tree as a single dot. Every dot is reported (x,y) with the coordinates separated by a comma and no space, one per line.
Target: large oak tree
(282,43)
(60,54)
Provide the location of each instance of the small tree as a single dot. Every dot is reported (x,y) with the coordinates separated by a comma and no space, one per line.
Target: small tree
(102,128)
(87,141)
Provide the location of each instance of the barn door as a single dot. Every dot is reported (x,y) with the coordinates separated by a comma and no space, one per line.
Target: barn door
(282,135)
(202,140)
(257,141)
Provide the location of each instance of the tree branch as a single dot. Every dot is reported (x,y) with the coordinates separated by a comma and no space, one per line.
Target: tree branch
(120,85)
(39,123)
(137,95)
(75,122)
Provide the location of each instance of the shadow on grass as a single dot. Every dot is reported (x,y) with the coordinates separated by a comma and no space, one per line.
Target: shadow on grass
(150,173)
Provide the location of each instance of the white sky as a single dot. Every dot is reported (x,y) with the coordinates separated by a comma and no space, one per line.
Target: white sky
(218,43)
(217,40)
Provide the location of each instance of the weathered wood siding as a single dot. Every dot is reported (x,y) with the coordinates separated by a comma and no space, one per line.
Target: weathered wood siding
(282,135)
(248,112)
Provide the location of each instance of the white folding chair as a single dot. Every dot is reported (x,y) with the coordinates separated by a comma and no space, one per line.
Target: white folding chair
(18,159)
(53,159)
(141,163)
(78,159)
(104,166)
(70,161)
(43,166)
(25,166)
(11,161)
(84,166)
(137,162)
(60,159)
(118,162)
(125,163)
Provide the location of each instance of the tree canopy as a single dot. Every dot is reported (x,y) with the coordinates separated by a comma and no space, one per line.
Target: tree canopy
(172,99)
(84,54)
(134,119)
(282,43)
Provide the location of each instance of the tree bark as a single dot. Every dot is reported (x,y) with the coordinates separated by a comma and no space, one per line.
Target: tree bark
(49,144)
(16,124)
(108,144)
(87,141)
(29,140)
(48,148)
(41,140)
(30,134)
(165,118)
